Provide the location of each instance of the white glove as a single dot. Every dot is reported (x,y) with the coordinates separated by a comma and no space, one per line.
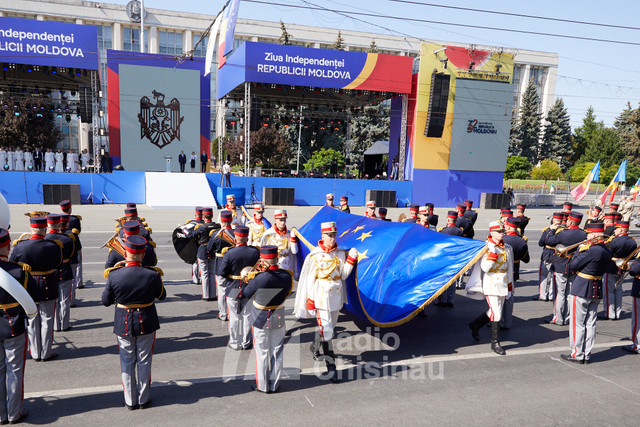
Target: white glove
(353,253)
(293,234)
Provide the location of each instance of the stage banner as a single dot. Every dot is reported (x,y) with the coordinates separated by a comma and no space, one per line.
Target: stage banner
(317,68)
(402,267)
(56,44)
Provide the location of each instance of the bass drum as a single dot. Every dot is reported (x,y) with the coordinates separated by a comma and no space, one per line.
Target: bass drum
(5,214)
(186,247)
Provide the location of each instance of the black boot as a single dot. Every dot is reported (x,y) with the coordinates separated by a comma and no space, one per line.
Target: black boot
(495,339)
(478,323)
(330,361)
(315,347)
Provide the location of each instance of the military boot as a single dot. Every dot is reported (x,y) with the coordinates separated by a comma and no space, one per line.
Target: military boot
(495,339)
(478,323)
(330,361)
(315,347)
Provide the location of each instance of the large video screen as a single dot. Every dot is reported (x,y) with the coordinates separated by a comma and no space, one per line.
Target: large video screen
(159,116)
(481,122)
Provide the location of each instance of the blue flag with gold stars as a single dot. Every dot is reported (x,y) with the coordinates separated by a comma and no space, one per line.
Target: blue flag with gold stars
(402,267)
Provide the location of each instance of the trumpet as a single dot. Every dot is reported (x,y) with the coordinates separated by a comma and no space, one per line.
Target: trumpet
(623,263)
(36,213)
(115,244)
(249,273)
(563,251)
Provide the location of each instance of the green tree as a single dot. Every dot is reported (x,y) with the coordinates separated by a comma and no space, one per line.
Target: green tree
(628,132)
(518,167)
(584,134)
(268,148)
(604,146)
(548,169)
(339,43)
(515,137)
(285,37)
(579,171)
(529,120)
(322,159)
(373,47)
(556,143)
(369,125)
(31,128)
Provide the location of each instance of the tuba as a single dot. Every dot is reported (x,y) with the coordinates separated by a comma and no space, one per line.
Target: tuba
(115,244)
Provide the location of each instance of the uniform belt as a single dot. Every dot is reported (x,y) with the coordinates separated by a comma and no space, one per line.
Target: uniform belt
(234,277)
(65,260)
(497,271)
(589,276)
(8,306)
(516,261)
(266,307)
(132,306)
(42,273)
(219,255)
(550,247)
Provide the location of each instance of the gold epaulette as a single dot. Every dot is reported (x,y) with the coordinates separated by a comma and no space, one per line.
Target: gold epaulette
(121,220)
(188,221)
(156,269)
(545,229)
(75,231)
(526,239)
(152,243)
(610,239)
(143,220)
(79,217)
(21,238)
(149,230)
(440,229)
(224,250)
(115,267)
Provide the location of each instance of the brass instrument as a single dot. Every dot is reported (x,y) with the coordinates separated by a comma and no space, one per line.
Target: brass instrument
(36,213)
(623,263)
(115,244)
(249,273)
(563,251)
(224,236)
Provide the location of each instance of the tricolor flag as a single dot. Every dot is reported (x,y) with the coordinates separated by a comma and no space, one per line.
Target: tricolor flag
(621,176)
(635,189)
(581,190)
(227,32)
(211,44)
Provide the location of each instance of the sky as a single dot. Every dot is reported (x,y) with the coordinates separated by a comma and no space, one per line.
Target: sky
(601,74)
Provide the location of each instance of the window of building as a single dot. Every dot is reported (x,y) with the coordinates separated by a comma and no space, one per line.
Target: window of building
(105,37)
(131,39)
(170,42)
(201,50)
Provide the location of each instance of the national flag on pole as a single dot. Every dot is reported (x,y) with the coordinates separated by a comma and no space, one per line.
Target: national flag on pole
(211,45)
(581,190)
(621,176)
(228,31)
(635,190)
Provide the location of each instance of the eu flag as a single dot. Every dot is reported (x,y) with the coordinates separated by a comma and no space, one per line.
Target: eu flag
(402,267)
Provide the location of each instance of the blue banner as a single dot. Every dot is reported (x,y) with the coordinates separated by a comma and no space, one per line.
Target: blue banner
(402,267)
(56,44)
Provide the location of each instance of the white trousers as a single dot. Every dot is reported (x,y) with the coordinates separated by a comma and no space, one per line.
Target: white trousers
(327,322)
(495,307)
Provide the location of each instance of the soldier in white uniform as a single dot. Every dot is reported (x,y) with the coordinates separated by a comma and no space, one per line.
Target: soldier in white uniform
(258,225)
(237,218)
(321,291)
(287,242)
(495,271)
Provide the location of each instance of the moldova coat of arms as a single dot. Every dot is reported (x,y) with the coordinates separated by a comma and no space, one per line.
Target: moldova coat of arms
(158,122)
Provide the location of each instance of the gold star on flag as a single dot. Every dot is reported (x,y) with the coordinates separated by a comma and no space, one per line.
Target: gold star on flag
(362,255)
(364,236)
(344,232)
(358,229)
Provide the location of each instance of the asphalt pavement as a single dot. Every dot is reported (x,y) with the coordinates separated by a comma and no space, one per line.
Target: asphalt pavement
(428,371)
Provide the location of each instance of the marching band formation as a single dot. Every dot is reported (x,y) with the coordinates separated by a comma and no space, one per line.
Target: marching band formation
(248,266)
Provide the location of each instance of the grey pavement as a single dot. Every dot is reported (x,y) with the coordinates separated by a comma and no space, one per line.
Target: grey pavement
(427,371)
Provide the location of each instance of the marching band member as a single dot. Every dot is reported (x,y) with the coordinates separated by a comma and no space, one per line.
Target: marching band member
(382,213)
(470,213)
(74,225)
(220,240)
(590,262)
(237,217)
(423,216)
(572,235)
(464,222)
(524,220)
(258,225)
(546,288)
(344,204)
(287,242)
(321,292)
(195,272)
(634,271)
(433,218)
(495,270)
(622,245)
(65,275)
(132,228)
(413,214)
(134,288)
(609,223)
(371,209)
(202,234)
(520,254)
(269,290)
(233,261)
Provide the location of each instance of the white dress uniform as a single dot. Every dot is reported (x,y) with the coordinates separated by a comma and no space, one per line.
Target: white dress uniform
(72,161)
(19,160)
(287,246)
(49,161)
(84,159)
(59,157)
(28,160)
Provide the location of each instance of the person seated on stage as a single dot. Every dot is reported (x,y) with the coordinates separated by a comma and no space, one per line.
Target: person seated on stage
(382,212)
(371,209)
(133,228)
(344,204)
(236,211)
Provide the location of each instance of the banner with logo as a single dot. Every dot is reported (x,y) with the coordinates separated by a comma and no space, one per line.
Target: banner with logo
(47,43)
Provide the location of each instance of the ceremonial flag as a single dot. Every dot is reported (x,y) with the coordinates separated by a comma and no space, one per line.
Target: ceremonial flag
(228,31)
(635,189)
(211,45)
(581,190)
(401,268)
(621,176)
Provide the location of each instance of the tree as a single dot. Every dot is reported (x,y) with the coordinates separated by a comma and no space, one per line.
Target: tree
(268,147)
(339,43)
(604,146)
(628,132)
(584,134)
(515,137)
(285,37)
(369,125)
(548,169)
(557,136)
(518,167)
(322,159)
(32,128)
(373,47)
(529,124)
(579,171)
